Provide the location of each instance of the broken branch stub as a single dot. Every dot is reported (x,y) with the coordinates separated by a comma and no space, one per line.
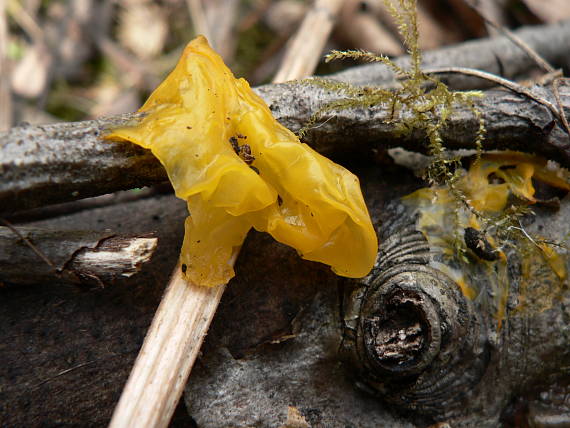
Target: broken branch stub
(87,258)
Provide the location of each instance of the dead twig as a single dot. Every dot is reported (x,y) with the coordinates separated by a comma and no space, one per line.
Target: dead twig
(535,56)
(5,95)
(215,19)
(556,93)
(29,243)
(198,15)
(305,48)
(513,86)
(363,29)
(25,20)
(62,162)
(57,163)
(137,71)
(497,55)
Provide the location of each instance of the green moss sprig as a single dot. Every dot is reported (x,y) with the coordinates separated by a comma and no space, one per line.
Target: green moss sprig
(423,102)
(429,101)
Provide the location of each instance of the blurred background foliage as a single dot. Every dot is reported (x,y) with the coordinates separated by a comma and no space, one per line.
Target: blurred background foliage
(73,60)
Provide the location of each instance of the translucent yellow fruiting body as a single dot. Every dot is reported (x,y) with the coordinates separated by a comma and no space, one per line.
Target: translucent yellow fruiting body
(199,122)
(516,171)
(487,186)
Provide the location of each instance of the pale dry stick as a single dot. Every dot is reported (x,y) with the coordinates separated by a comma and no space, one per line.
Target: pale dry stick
(496,10)
(438,33)
(365,31)
(199,20)
(135,69)
(221,16)
(215,19)
(304,50)
(556,92)
(178,329)
(535,56)
(25,20)
(168,353)
(515,87)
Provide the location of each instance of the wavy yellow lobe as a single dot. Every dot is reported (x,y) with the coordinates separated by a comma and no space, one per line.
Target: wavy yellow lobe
(238,168)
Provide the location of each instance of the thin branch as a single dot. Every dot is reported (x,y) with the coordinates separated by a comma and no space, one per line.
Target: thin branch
(513,86)
(62,162)
(535,56)
(562,114)
(215,19)
(306,46)
(29,243)
(6,110)
(198,16)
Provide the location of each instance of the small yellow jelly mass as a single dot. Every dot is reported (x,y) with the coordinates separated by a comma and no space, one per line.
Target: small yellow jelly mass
(488,185)
(238,168)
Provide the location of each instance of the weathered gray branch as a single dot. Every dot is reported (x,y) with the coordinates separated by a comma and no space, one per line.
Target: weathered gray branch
(512,121)
(61,162)
(77,257)
(497,55)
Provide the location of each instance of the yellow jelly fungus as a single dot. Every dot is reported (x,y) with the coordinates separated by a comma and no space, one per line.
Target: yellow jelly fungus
(515,172)
(487,185)
(238,168)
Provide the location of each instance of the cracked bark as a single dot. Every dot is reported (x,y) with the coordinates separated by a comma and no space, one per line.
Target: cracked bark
(62,162)
(87,258)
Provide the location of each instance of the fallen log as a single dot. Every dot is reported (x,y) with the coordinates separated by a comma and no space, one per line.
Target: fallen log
(274,342)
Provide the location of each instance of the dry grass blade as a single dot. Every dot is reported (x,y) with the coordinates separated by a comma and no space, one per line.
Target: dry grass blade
(169,350)
(304,50)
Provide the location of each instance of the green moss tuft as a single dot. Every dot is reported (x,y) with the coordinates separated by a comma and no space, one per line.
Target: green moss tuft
(428,103)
